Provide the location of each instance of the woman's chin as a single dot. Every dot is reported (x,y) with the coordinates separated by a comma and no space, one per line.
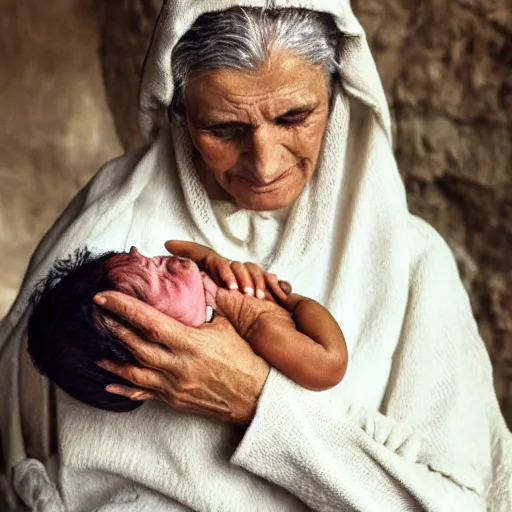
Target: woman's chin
(267,201)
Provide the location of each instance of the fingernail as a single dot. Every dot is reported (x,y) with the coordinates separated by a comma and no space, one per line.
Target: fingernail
(260,294)
(100,300)
(286,287)
(233,286)
(249,291)
(102,364)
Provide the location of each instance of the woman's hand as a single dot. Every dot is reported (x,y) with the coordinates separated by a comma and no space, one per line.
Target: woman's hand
(210,371)
(249,278)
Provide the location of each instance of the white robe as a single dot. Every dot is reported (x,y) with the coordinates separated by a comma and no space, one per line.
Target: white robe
(415,423)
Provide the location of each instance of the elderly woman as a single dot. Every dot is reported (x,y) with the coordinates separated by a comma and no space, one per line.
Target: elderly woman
(270,143)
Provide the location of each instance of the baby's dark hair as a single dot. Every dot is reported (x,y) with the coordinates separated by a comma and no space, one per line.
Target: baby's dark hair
(66,335)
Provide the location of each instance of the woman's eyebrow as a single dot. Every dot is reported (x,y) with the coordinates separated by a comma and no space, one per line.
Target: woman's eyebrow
(228,124)
(299,110)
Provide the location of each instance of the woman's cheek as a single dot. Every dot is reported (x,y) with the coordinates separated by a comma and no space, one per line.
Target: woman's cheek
(310,140)
(315,130)
(218,155)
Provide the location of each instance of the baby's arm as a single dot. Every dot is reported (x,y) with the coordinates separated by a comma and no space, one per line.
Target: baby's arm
(248,278)
(299,337)
(307,347)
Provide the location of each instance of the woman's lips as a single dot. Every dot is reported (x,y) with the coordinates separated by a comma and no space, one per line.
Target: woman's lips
(260,188)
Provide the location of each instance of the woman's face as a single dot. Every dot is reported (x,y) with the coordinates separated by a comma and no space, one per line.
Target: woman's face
(174,286)
(260,132)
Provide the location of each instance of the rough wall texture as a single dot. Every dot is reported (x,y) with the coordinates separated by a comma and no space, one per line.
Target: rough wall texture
(56,127)
(446,70)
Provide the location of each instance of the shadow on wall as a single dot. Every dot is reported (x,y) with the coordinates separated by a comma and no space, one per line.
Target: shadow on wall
(126,32)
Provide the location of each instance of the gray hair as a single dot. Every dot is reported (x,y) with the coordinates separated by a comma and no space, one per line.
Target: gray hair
(244,38)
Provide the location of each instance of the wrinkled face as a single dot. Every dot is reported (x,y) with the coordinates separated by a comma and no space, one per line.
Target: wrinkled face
(260,132)
(174,286)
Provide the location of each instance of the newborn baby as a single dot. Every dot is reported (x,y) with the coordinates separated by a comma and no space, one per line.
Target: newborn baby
(67,335)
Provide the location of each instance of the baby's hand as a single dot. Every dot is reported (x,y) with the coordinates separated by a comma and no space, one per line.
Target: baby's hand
(249,278)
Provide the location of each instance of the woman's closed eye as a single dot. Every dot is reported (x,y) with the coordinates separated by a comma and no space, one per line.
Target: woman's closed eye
(227,133)
(294,119)
(235,132)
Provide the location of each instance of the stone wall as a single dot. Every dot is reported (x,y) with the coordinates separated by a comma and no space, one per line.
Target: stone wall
(56,128)
(446,69)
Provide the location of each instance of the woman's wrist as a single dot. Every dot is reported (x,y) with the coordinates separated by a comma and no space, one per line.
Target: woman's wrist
(255,384)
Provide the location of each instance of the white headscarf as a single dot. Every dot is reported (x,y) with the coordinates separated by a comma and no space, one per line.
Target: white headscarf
(348,242)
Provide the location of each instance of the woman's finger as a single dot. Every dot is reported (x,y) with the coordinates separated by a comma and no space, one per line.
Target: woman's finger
(286,287)
(245,284)
(149,321)
(139,395)
(222,269)
(140,377)
(148,354)
(258,278)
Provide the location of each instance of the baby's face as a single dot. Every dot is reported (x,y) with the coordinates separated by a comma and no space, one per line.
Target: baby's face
(174,286)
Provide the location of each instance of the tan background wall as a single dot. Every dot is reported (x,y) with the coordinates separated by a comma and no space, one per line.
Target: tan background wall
(445,66)
(55,126)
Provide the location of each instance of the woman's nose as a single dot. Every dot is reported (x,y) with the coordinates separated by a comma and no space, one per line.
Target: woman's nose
(267,155)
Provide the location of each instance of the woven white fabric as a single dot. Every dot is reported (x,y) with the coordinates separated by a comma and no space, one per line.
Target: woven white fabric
(415,423)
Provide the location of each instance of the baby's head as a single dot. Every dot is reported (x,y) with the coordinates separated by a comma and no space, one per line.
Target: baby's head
(174,286)
(66,332)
